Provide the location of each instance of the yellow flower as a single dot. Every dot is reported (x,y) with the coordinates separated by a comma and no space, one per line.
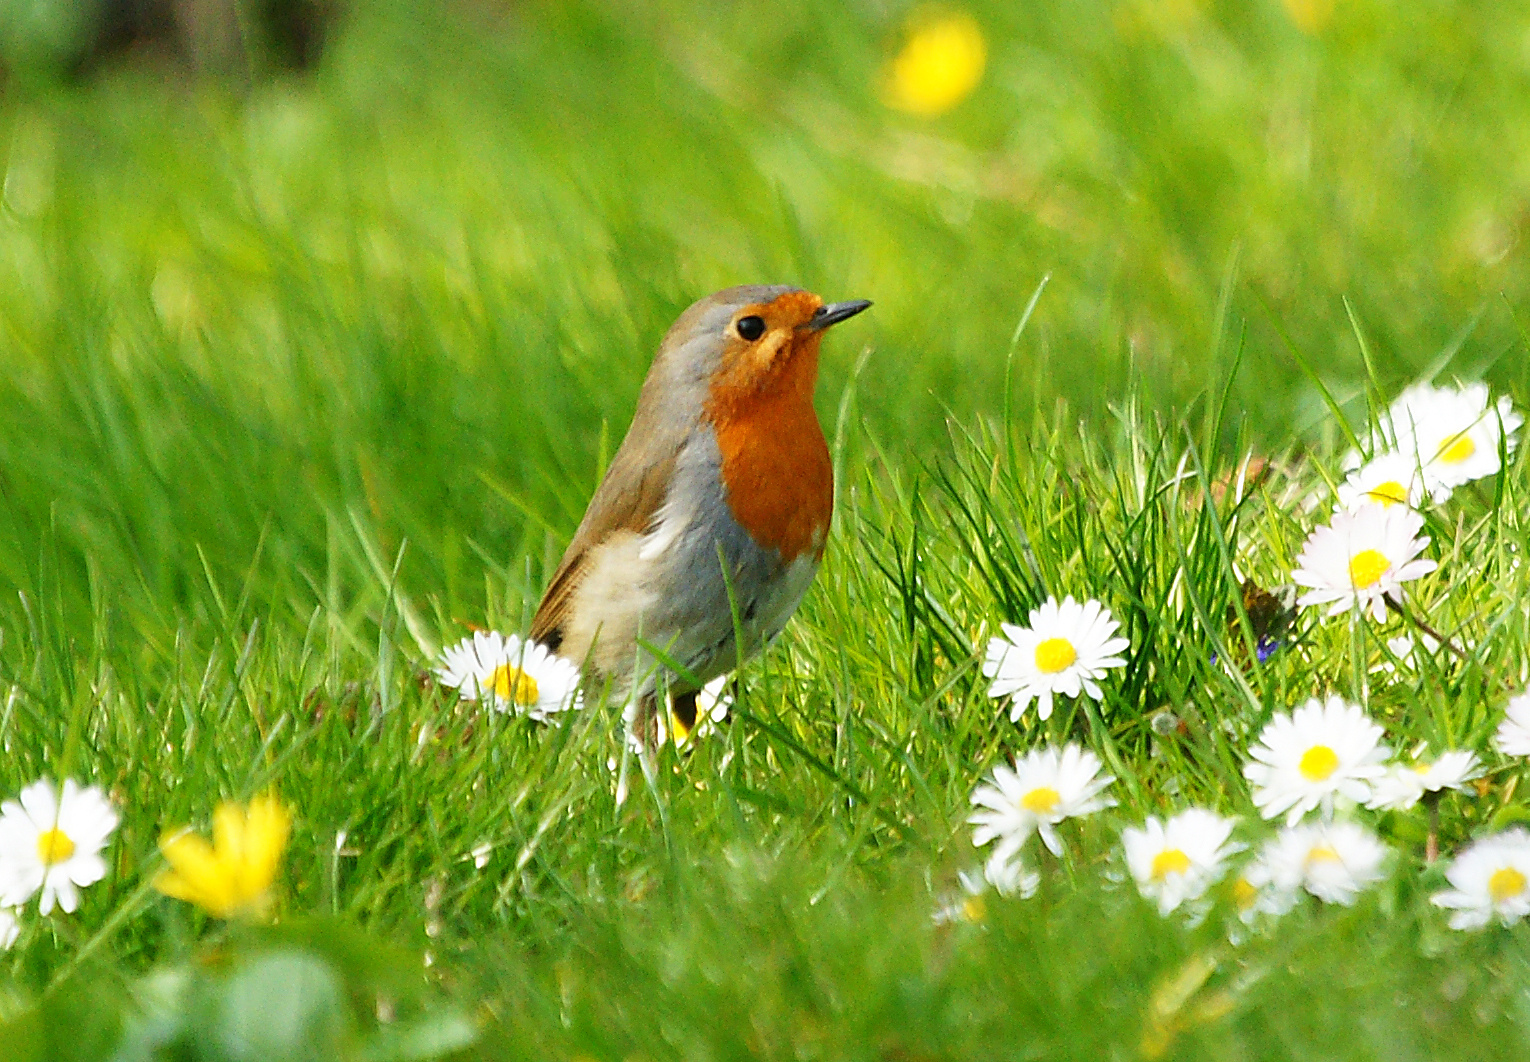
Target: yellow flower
(939,66)
(1310,16)
(233,875)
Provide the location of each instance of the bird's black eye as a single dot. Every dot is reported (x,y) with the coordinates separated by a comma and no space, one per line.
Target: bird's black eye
(751,328)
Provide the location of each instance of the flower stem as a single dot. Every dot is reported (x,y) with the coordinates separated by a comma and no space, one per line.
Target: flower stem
(1428,630)
(1432,843)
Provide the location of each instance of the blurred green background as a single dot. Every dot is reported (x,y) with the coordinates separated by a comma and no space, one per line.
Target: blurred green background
(271,267)
(318,321)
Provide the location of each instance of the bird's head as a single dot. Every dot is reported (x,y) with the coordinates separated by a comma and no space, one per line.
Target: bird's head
(745,341)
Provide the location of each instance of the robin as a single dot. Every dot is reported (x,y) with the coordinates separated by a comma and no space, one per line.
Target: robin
(718,499)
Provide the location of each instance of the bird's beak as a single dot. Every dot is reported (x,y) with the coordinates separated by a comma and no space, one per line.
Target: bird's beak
(832,313)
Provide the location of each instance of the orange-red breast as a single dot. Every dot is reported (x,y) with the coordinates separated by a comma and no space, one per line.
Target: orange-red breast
(724,469)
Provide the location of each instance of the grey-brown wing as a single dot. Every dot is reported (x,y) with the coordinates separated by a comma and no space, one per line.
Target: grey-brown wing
(627,499)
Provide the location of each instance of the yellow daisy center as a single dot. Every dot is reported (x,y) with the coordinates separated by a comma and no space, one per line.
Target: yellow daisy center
(1041,800)
(1244,894)
(1318,763)
(1054,654)
(1366,567)
(53,847)
(1169,861)
(1456,449)
(1505,884)
(1422,768)
(1323,854)
(1389,493)
(510,683)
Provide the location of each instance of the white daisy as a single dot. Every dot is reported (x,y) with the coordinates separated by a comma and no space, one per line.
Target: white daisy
(1066,649)
(1453,433)
(1408,652)
(1404,783)
(510,674)
(1322,750)
(1361,559)
(1045,787)
(1390,478)
(965,903)
(1513,736)
(1264,887)
(1177,861)
(1491,879)
(53,842)
(1011,876)
(10,928)
(1334,861)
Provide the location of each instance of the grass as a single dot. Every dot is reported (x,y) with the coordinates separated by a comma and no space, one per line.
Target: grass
(301,381)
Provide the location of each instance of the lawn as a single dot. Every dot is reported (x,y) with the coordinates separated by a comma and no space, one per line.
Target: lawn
(306,376)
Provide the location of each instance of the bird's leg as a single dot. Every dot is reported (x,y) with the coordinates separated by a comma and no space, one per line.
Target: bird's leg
(640,737)
(644,723)
(642,740)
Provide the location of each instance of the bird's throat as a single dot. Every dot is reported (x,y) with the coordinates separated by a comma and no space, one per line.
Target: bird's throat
(775,462)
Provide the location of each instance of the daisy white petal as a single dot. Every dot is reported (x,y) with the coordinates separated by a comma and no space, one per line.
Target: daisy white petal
(510,674)
(1513,736)
(1304,760)
(1454,433)
(1265,886)
(1361,559)
(1011,876)
(1177,861)
(1408,652)
(1334,861)
(1066,649)
(1491,880)
(50,842)
(1045,787)
(1404,784)
(10,928)
(965,903)
(1390,478)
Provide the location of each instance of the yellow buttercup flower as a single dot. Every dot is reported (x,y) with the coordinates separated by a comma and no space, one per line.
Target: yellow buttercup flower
(940,65)
(233,875)
(1310,16)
